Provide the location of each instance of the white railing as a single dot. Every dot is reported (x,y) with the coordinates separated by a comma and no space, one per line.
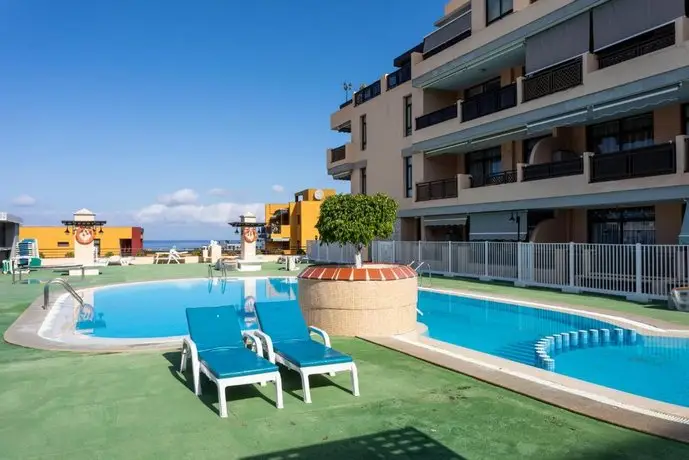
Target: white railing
(330,253)
(634,270)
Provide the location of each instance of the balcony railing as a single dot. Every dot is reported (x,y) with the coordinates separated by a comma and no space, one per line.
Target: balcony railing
(686,154)
(345,103)
(401,75)
(552,80)
(433,118)
(555,169)
(655,160)
(367,93)
(436,189)
(504,177)
(661,38)
(338,153)
(490,102)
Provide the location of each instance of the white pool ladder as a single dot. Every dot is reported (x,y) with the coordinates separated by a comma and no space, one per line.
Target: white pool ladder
(64,284)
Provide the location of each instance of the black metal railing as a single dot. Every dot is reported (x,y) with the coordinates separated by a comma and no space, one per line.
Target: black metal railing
(345,103)
(338,153)
(489,102)
(401,75)
(436,189)
(549,81)
(504,177)
(368,93)
(655,160)
(433,118)
(553,169)
(660,38)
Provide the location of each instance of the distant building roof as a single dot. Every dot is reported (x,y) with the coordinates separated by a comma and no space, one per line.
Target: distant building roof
(6,217)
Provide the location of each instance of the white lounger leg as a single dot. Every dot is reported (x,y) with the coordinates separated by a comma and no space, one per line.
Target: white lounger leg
(305,387)
(197,378)
(355,380)
(278,390)
(185,355)
(222,399)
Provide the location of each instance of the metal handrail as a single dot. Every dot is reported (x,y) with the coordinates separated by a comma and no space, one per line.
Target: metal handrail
(64,284)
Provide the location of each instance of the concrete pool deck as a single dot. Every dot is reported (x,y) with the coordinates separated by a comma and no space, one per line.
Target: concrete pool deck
(493,370)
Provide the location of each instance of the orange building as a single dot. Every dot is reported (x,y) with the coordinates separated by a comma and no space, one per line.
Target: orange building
(56,241)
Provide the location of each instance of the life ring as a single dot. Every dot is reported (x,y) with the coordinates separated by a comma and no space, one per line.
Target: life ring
(250,234)
(84,235)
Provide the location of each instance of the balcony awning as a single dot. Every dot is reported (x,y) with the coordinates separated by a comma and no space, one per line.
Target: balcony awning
(451,30)
(444,221)
(497,226)
(618,20)
(546,125)
(549,47)
(639,102)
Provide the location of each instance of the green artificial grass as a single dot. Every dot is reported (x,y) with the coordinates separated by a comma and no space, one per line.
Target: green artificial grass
(137,406)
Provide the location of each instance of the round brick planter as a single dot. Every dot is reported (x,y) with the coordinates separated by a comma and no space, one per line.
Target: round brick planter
(375,300)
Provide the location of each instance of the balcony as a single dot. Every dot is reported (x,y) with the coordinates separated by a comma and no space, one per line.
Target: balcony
(553,80)
(439,116)
(367,93)
(655,160)
(489,102)
(401,75)
(504,177)
(553,170)
(338,153)
(656,40)
(437,189)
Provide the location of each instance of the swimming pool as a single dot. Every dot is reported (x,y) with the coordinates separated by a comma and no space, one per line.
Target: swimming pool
(653,367)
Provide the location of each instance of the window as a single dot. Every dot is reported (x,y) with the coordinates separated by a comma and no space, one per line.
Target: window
(62,244)
(407,177)
(497,9)
(363,181)
(621,135)
(622,226)
(483,164)
(485,87)
(299,219)
(407,116)
(363,132)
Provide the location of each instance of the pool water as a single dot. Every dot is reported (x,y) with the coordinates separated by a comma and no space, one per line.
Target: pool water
(654,367)
(156,310)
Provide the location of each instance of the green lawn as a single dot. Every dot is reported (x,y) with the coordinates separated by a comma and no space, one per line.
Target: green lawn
(136,406)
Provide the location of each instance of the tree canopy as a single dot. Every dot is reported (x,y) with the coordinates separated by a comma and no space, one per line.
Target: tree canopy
(356,219)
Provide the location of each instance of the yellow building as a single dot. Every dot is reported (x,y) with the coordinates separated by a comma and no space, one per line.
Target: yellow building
(291,225)
(54,242)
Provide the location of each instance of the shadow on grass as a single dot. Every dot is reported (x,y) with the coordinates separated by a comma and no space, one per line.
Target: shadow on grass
(291,384)
(398,444)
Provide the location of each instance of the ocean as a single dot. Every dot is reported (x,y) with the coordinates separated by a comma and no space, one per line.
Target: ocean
(180,244)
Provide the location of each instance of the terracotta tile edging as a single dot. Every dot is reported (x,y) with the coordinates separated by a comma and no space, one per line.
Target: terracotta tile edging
(375,272)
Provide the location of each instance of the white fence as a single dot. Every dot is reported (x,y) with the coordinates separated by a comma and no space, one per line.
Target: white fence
(635,271)
(331,253)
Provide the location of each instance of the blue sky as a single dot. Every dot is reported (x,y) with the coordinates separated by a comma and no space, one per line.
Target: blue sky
(177,115)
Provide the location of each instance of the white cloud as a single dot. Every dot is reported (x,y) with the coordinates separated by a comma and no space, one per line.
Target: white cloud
(278,188)
(218,191)
(24,200)
(215,214)
(183,196)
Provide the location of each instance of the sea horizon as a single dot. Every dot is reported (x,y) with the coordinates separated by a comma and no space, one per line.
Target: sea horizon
(182,244)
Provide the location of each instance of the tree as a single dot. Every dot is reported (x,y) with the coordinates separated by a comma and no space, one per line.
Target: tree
(356,220)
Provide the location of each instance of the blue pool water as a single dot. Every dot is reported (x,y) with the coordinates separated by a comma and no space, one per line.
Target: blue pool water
(653,367)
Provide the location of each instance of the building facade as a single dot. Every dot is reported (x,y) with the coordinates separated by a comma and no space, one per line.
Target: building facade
(544,121)
(289,226)
(56,241)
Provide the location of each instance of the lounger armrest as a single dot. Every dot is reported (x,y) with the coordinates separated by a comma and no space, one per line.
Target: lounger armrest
(257,341)
(193,351)
(324,335)
(267,343)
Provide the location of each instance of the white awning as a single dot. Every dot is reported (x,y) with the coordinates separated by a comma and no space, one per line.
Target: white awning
(444,221)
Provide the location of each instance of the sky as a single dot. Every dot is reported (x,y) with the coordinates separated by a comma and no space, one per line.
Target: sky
(179,116)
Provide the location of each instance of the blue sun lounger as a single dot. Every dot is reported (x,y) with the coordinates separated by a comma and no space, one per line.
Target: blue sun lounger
(217,349)
(287,339)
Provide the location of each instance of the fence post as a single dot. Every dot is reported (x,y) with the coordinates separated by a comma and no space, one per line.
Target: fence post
(520,262)
(341,261)
(485,258)
(449,257)
(418,249)
(637,260)
(394,256)
(571,263)
(327,253)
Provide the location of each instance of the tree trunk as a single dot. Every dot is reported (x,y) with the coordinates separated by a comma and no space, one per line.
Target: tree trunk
(357,257)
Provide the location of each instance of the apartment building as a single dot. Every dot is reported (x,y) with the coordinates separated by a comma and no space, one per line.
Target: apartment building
(531,120)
